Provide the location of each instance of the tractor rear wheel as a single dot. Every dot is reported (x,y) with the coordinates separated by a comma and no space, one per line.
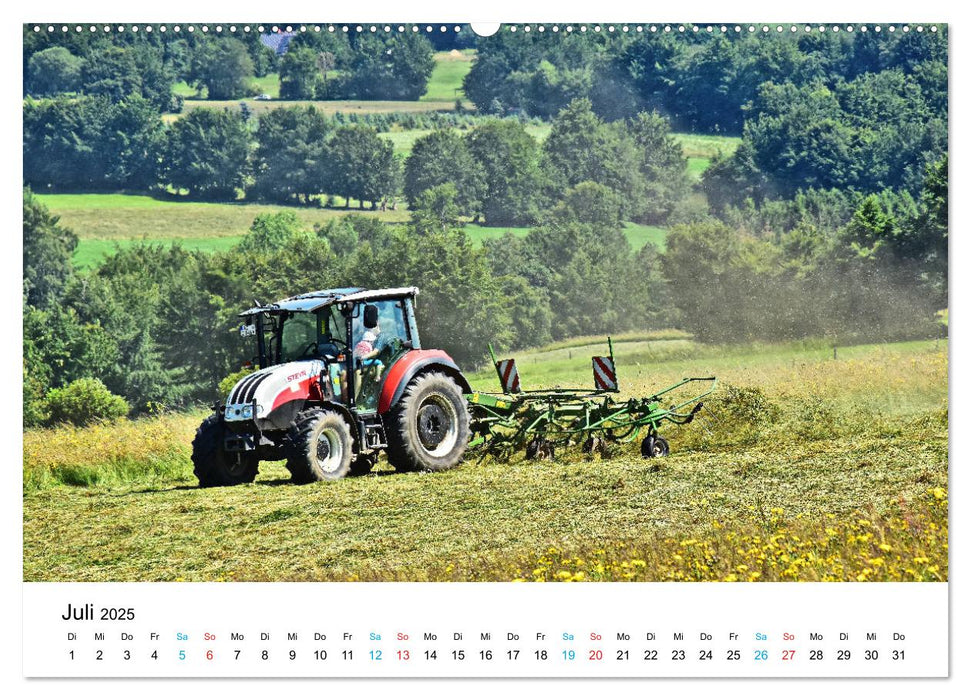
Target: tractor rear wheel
(319,446)
(212,464)
(429,427)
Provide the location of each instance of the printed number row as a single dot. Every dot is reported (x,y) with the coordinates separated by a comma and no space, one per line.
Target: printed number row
(540,654)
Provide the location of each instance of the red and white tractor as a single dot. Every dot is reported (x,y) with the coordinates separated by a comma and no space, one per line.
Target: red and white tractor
(341,376)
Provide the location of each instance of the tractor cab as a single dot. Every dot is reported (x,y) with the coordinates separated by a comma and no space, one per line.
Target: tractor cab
(357,334)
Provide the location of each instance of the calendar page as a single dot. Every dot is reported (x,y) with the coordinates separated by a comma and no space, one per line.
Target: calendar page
(438,349)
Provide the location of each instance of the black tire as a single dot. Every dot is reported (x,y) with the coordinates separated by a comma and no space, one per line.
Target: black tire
(591,445)
(540,449)
(596,444)
(429,427)
(212,464)
(319,446)
(655,447)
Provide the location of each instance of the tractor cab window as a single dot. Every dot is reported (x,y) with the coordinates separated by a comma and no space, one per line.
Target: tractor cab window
(377,348)
(298,339)
(333,331)
(384,339)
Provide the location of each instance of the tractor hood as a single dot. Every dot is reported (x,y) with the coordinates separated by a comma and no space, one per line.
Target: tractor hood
(256,395)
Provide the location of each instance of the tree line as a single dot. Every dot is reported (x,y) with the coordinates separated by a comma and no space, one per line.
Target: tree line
(701,80)
(317,65)
(865,110)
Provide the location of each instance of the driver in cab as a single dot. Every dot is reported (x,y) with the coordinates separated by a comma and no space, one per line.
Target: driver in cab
(367,350)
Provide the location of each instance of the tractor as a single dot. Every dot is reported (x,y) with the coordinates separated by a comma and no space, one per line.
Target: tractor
(340,376)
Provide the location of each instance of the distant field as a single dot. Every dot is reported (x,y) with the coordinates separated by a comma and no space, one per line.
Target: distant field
(707,146)
(91,251)
(480,233)
(103,221)
(404,140)
(697,167)
(538,131)
(446,79)
(328,107)
(183,89)
(444,87)
(268,84)
(699,150)
(639,234)
(694,145)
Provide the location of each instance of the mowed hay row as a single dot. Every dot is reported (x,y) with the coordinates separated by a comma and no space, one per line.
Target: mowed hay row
(482,521)
(908,542)
(777,396)
(866,383)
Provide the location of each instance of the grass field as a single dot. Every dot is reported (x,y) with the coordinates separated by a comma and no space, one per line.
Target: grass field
(639,234)
(481,233)
(445,83)
(268,84)
(701,149)
(328,107)
(91,251)
(707,146)
(403,140)
(106,221)
(807,468)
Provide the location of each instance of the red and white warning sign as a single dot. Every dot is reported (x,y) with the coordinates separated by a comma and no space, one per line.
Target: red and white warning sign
(604,375)
(509,376)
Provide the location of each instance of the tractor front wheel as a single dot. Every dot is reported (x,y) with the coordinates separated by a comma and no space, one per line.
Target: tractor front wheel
(319,446)
(429,428)
(212,464)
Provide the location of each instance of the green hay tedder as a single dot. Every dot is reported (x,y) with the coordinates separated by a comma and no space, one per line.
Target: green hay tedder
(543,420)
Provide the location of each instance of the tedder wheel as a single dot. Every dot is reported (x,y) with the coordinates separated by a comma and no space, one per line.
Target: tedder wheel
(319,446)
(429,427)
(593,444)
(655,446)
(597,444)
(212,464)
(539,448)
